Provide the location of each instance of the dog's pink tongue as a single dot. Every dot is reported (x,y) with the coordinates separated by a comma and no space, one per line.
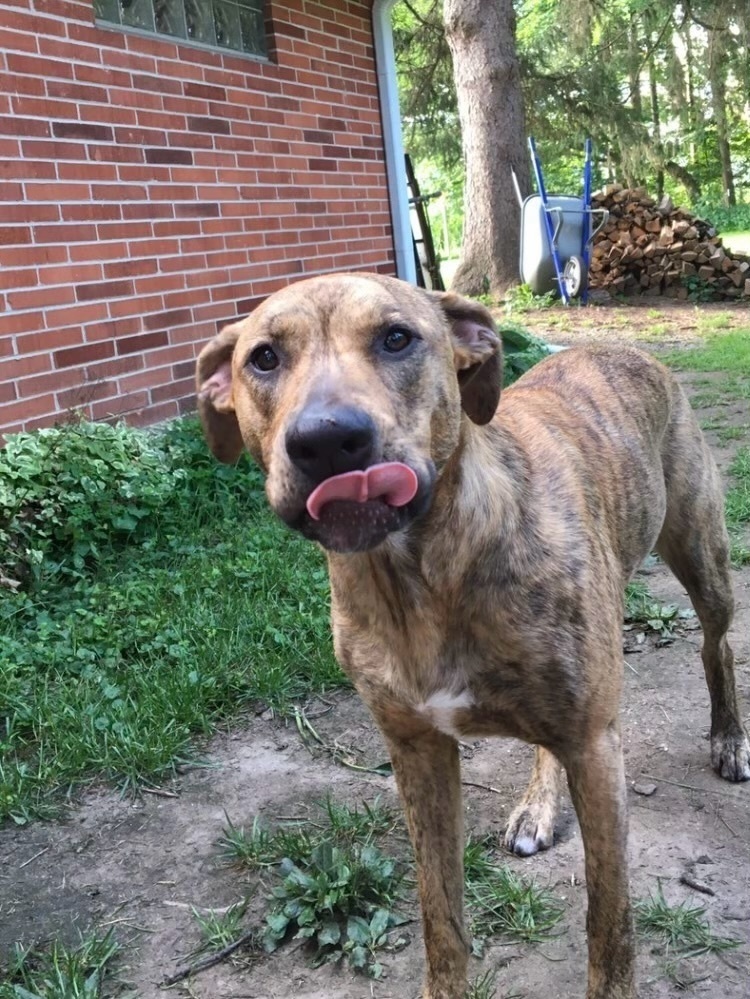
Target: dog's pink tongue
(392,482)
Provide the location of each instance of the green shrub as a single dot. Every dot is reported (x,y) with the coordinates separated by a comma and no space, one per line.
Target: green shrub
(67,491)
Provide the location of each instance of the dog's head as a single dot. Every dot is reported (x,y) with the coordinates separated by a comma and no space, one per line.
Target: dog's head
(348,391)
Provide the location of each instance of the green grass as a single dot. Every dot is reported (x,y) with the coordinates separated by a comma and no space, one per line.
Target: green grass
(220,929)
(503,903)
(728,352)
(130,635)
(59,972)
(679,930)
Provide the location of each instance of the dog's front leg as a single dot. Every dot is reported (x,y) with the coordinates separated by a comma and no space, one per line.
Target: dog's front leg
(597,785)
(428,774)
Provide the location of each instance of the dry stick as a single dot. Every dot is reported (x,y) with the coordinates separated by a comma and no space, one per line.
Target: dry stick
(689,880)
(27,862)
(482,787)
(691,787)
(210,961)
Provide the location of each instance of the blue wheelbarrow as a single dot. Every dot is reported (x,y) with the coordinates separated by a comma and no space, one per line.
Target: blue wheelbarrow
(557,234)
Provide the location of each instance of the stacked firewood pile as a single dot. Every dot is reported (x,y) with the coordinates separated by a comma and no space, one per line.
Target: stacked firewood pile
(657,249)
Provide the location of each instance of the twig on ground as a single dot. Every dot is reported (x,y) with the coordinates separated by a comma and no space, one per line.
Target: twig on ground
(482,787)
(209,961)
(689,880)
(32,859)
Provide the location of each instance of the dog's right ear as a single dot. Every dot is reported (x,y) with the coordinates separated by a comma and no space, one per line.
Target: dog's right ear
(213,383)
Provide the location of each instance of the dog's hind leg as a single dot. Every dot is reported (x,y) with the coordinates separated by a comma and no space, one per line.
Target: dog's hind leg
(694,544)
(531,826)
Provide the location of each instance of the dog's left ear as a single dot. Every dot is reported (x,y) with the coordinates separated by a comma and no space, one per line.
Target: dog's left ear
(477,353)
(213,383)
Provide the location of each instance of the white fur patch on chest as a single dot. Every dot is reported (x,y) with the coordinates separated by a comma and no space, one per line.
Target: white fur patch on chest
(441,708)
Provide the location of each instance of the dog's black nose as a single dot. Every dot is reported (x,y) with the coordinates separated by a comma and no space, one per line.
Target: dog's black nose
(330,441)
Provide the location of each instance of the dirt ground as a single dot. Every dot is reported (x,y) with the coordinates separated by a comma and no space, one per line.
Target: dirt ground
(140,865)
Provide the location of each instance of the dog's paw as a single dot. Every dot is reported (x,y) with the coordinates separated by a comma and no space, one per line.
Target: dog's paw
(730,756)
(531,828)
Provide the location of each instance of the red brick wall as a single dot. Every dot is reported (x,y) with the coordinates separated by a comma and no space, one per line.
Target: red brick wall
(151,191)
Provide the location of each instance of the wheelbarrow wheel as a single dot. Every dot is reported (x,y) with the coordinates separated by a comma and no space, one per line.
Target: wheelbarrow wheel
(574,276)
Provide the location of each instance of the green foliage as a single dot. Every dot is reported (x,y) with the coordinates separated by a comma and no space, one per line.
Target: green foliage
(726,218)
(68,491)
(338,823)
(503,902)
(642,609)
(680,929)
(521,350)
(59,972)
(220,929)
(698,289)
(341,899)
(162,598)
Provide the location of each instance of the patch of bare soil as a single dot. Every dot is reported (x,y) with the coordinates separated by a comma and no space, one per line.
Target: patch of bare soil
(140,865)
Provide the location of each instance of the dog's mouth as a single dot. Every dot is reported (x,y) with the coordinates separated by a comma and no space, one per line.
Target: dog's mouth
(356,511)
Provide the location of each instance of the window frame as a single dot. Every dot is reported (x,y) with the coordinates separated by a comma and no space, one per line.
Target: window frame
(128,29)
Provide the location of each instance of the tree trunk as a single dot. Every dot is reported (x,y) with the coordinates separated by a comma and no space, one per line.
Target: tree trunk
(656,119)
(481,38)
(717,82)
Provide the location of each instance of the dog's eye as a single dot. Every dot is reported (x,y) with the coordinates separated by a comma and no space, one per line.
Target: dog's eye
(396,340)
(264,358)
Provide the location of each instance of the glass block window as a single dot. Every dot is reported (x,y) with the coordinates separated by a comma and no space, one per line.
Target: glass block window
(226,24)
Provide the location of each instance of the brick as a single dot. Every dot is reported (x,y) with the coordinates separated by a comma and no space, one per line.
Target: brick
(144,341)
(41,297)
(157,84)
(199,209)
(133,267)
(82,130)
(16,125)
(47,340)
(90,212)
(14,235)
(69,90)
(22,64)
(119,406)
(82,395)
(205,91)
(172,155)
(7,391)
(69,273)
(103,289)
(82,355)
(164,320)
(217,126)
(25,408)
(28,170)
(52,150)
(118,192)
(17,367)
(29,213)
(173,390)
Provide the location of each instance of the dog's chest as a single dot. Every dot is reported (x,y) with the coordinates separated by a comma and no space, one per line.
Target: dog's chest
(445,710)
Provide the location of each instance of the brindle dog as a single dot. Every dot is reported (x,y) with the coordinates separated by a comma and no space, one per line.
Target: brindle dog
(478,556)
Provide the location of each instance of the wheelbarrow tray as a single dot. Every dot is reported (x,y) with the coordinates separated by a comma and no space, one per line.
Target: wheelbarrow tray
(537,266)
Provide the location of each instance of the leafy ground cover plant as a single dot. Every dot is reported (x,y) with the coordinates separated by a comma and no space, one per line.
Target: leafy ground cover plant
(334,886)
(341,899)
(148,594)
(644,610)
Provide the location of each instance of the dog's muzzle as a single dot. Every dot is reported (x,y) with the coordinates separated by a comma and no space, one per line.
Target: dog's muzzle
(355,501)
